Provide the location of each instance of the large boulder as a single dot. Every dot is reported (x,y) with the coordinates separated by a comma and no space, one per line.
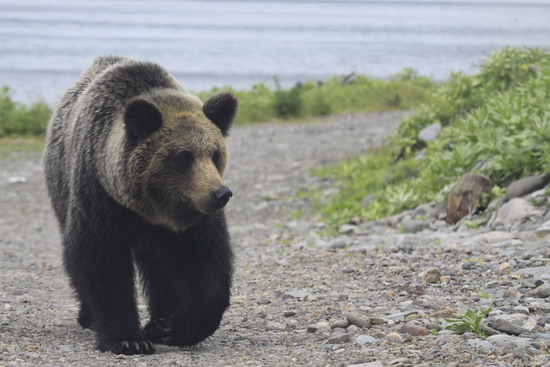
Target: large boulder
(526,186)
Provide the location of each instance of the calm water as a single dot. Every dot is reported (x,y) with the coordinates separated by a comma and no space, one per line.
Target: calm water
(45,44)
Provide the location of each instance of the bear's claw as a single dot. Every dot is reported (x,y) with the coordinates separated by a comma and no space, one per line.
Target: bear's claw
(128,347)
(157,331)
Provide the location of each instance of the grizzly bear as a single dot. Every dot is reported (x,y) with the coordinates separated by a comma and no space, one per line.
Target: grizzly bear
(134,167)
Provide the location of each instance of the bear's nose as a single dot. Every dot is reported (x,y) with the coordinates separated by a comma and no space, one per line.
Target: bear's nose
(222,196)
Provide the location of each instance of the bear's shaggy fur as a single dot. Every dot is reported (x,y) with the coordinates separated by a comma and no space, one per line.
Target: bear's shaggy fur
(134,167)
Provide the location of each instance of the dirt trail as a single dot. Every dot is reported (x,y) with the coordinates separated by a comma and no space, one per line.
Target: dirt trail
(268,164)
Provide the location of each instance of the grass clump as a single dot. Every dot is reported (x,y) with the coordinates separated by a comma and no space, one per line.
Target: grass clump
(495,122)
(470,321)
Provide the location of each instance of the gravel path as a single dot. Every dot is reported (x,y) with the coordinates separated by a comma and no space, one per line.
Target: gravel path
(299,300)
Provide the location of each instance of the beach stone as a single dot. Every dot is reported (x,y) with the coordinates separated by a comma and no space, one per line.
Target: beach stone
(429,133)
(432,276)
(465,196)
(509,342)
(368,364)
(340,324)
(541,272)
(358,320)
(365,339)
(526,185)
(522,309)
(413,225)
(375,320)
(541,292)
(505,326)
(339,338)
(514,211)
(394,336)
(414,330)
(296,294)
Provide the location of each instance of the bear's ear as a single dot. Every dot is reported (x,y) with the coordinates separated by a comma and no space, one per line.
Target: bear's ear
(221,109)
(142,118)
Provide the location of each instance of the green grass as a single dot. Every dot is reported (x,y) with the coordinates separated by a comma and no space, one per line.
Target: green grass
(10,145)
(259,104)
(495,122)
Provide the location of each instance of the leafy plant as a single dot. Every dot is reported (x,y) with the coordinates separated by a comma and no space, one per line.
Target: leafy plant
(19,119)
(495,122)
(470,321)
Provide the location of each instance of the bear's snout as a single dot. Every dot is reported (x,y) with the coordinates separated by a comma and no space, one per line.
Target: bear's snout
(222,196)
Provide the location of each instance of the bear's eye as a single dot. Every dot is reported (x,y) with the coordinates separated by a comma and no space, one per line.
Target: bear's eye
(217,159)
(184,159)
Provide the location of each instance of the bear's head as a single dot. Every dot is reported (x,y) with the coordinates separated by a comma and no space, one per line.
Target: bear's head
(176,156)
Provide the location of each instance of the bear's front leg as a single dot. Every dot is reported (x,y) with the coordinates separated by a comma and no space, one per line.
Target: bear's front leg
(187,280)
(101,271)
(197,303)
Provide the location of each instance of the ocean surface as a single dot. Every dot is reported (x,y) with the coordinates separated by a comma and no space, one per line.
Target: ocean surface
(45,44)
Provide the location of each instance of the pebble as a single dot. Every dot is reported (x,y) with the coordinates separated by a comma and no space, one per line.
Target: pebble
(414,330)
(368,364)
(358,320)
(393,336)
(339,338)
(432,276)
(505,326)
(541,292)
(365,339)
(508,342)
(296,294)
(340,324)
(521,309)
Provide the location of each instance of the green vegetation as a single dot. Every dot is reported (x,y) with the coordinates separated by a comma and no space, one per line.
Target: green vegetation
(495,122)
(17,119)
(470,321)
(362,94)
(261,103)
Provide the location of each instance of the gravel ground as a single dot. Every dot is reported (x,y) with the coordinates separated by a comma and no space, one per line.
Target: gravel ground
(370,297)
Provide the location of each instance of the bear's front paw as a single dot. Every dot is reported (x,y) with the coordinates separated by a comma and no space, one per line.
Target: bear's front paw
(128,347)
(156,331)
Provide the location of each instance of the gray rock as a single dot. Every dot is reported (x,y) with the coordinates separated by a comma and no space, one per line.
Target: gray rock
(542,272)
(358,320)
(340,324)
(545,337)
(514,211)
(481,343)
(541,292)
(509,342)
(296,294)
(365,339)
(368,364)
(522,309)
(526,186)
(413,225)
(339,338)
(429,133)
(505,326)
(348,229)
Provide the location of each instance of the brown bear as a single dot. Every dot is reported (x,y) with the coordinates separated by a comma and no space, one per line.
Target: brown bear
(134,167)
